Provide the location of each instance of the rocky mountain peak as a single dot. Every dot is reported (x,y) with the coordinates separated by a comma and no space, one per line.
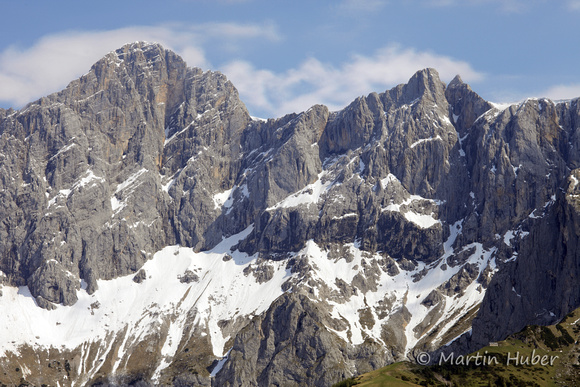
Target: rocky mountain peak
(425,83)
(91,150)
(423,91)
(141,51)
(465,105)
(455,81)
(141,45)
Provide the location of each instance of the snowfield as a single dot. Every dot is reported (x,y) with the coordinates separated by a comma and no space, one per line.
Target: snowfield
(221,291)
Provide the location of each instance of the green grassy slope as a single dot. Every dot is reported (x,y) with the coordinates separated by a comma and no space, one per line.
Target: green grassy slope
(536,356)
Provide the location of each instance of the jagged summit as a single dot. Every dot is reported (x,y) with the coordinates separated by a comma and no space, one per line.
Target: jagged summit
(141,51)
(426,79)
(455,81)
(145,47)
(140,45)
(164,236)
(466,105)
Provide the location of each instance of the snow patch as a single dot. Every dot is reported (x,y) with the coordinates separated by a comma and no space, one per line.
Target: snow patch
(88,178)
(308,195)
(387,180)
(508,236)
(350,215)
(116,204)
(413,145)
(421,220)
(63,150)
(165,187)
(223,199)
(177,134)
(130,180)
(62,193)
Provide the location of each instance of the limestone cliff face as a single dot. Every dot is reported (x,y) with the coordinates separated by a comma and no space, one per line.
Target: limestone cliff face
(534,183)
(299,250)
(83,170)
(540,286)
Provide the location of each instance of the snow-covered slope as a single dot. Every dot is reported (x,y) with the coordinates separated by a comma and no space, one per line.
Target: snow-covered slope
(184,293)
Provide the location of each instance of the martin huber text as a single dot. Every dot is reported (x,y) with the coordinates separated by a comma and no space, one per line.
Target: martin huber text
(492,359)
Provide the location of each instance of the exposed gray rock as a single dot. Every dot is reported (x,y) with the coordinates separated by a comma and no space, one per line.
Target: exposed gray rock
(536,286)
(263,273)
(465,105)
(190,380)
(291,345)
(189,277)
(433,298)
(140,276)
(518,296)
(456,284)
(392,334)
(86,168)
(43,303)
(54,284)
(461,257)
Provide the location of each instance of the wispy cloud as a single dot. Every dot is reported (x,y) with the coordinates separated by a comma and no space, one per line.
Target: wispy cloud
(55,60)
(237,31)
(507,6)
(269,93)
(562,92)
(361,5)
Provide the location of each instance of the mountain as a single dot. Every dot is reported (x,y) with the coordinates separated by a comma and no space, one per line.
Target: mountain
(154,233)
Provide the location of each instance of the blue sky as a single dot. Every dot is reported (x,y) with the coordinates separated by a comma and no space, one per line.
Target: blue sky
(285,56)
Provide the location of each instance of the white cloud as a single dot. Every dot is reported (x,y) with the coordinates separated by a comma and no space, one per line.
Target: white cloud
(563,92)
(55,60)
(274,94)
(361,5)
(236,31)
(507,6)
